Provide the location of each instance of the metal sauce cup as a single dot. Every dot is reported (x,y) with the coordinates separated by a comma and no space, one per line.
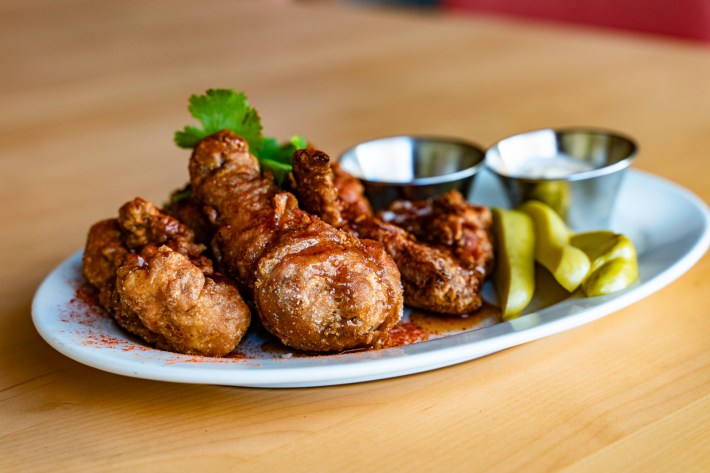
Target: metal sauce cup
(576,171)
(413,167)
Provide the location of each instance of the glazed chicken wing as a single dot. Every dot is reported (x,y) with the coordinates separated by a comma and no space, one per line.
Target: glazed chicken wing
(444,274)
(315,287)
(448,221)
(350,194)
(153,280)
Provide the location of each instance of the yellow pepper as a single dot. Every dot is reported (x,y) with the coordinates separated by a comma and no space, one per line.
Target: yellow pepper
(613,259)
(569,265)
(515,263)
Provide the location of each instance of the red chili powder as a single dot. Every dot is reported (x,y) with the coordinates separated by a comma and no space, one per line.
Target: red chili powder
(406,333)
(84,307)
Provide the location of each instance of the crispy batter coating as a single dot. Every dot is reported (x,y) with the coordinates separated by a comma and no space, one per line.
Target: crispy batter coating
(449,221)
(143,223)
(432,278)
(104,253)
(308,174)
(321,289)
(315,287)
(444,272)
(154,281)
(190,312)
(351,195)
(188,210)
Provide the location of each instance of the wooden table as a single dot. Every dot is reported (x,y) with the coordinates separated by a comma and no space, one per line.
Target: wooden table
(91,93)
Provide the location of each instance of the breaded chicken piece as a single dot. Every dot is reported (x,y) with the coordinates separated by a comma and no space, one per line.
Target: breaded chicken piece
(351,194)
(444,275)
(143,223)
(188,210)
(104,253)
(449,221)
(153,280)
(190,312)
(322,198)
(321,289)
(315,287)
(433,279)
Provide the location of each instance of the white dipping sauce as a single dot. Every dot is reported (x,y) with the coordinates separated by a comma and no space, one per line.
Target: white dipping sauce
(551,168)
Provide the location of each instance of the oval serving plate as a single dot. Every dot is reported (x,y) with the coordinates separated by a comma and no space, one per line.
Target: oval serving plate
(670,231)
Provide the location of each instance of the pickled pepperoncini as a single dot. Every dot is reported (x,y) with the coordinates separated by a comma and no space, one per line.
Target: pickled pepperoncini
(515,267)
(613,261)
(569,265)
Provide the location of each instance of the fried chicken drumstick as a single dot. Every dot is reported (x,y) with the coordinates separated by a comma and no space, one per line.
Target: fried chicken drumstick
(154,281)
(444,271)
(315,287)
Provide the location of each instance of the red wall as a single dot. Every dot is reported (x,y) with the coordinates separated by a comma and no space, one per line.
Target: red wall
(681,18)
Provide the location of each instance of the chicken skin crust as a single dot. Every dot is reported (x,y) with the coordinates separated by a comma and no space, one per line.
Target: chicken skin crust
(155,283)
(104,253)
(442,272)
(448,221)
(186,209)
(315,287)
(189,312)
(324,290)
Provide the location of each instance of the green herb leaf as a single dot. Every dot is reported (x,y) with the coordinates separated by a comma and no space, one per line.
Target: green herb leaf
(221,109)
(181,195)
(271,150)
(279,170)
(278,158)
(282,153)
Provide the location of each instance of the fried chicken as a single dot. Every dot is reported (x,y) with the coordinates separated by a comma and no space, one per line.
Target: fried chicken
(448,221)
(155,283)
(443,273)
(189,311)
(144,224)
(185,208)
(104,253)
(350,193)
(315,287)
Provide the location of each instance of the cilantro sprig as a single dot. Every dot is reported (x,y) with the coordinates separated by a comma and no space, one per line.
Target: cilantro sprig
(278,158)
(220,109)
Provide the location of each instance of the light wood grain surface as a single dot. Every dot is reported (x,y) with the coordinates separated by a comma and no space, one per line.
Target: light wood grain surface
(90,94)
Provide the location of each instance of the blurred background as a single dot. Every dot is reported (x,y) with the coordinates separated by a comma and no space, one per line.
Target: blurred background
(688,19)
(125,70)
